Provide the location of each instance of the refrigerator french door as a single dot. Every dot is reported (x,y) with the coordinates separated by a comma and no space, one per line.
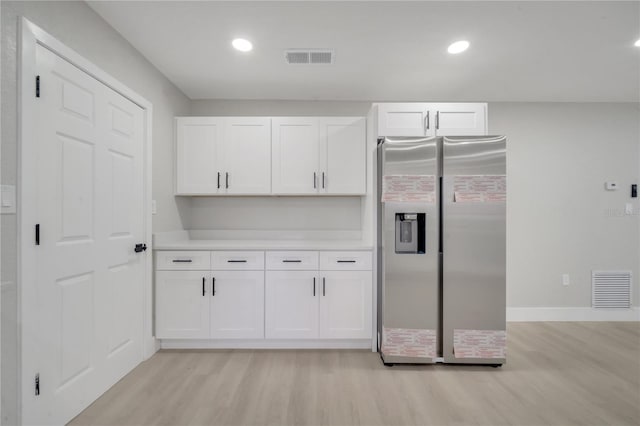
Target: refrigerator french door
(441,248)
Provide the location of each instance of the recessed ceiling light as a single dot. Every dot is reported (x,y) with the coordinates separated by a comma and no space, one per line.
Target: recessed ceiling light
(242,45)
(458,47)
(637,43)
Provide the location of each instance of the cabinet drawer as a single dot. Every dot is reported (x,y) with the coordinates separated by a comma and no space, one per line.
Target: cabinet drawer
(234,260)
(345,260)
(183,260)
(292,260)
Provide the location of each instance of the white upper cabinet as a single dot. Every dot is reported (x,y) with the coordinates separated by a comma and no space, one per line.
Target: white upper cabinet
(262,155)
(197,143)
(458,119)
(245,155)
(220,156)
(319,155)
(342,155)
(295,155)
(405,119)
(432,119)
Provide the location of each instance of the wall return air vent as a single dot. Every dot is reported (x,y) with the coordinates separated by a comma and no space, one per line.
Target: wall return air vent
(611,289)
(309,56)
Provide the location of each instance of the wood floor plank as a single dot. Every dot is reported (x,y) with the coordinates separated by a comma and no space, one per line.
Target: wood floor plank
(556,374)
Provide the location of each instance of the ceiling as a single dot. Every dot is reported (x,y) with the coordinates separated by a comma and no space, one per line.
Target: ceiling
(384,51)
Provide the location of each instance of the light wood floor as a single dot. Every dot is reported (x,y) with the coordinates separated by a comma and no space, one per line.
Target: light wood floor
(556,374)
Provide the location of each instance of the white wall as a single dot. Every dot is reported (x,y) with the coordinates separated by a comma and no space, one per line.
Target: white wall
(80,28)
(559,217)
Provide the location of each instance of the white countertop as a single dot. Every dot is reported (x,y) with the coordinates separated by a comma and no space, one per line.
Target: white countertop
(261,245)
(182,241)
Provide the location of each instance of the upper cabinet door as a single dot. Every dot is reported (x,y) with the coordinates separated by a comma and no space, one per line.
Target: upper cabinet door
(342,155)
(460,119)
(405,119)
(197,140)
(245,156)
(295,155)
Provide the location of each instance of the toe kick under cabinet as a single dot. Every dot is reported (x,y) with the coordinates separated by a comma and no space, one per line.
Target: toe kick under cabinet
(259,298)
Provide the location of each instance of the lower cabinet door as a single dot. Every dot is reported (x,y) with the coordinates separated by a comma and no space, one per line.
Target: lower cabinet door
(237,304)
(345,304)
(182,304)
(292,304)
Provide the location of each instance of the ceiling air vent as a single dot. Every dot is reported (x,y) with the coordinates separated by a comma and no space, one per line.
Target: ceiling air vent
(611,289)
(309,56)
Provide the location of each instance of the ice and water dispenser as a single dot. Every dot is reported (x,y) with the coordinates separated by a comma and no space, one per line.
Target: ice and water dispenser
(410,233)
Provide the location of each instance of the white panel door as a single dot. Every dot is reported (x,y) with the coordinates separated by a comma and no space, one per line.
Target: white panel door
(237,305)
(182,304)
(197,146)
(405,119)
(245,155)
(291,304)
(90,212)
(295,155)
(342,155)
(345,304)
(460,119)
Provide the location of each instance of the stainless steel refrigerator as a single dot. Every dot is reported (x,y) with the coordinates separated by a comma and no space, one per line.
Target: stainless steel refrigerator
(441,250)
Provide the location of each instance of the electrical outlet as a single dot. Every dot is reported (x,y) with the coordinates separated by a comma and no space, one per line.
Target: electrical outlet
(565,279)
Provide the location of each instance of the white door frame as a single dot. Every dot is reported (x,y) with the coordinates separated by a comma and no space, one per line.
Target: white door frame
(32,36)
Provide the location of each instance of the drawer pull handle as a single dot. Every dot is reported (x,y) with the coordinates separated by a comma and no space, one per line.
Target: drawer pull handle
(292,261)
(346,261)
(182,261)
(237,261)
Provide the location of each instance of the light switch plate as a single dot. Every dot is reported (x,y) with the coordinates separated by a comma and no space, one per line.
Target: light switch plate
(154,209)
(8,199)
(628,209)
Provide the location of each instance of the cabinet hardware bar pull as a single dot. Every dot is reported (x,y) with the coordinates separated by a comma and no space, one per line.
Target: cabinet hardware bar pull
(227,180)
(218,180)
(291,261)
(322,179)
(182,260)
(237,261)
(203,284)
(213,286)
(314,286)
(323,286)
(438,120)
(346,261)
(314,180)
(427,121)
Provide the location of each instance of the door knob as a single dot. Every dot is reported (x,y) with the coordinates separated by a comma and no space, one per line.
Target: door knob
(140,247)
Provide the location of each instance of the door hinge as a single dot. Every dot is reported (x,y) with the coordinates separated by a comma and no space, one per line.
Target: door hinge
(37,384)
(37,86)
(37,234)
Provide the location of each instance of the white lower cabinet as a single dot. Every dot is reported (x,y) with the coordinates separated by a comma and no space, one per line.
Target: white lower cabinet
(237,305)
(182,304)
(325,304)
(302,295)
(222,304)
(291,305)
(345,305)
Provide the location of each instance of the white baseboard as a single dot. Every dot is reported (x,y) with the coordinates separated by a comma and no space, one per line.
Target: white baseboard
(265,344)
(572,314)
